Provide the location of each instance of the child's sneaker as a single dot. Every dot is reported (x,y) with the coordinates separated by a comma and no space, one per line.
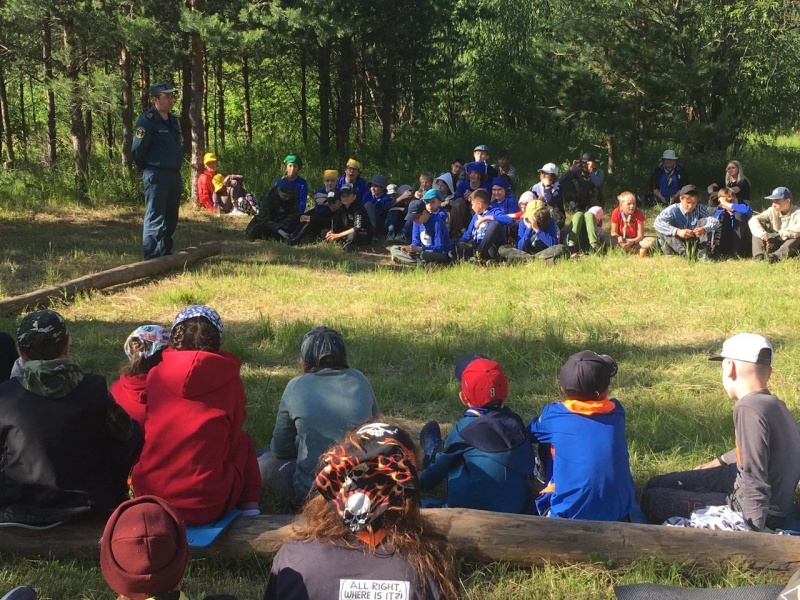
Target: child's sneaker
(401,237)
(430,437)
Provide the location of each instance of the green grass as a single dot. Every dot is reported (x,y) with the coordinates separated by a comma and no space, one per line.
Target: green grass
(404,329)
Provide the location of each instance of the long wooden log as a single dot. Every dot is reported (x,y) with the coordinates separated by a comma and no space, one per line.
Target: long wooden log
(104,279)
(481,536)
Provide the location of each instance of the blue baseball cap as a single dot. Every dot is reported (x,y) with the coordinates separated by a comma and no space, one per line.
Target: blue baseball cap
(415,209)
(779,193)
(161,88)
(478,166)
(431,194)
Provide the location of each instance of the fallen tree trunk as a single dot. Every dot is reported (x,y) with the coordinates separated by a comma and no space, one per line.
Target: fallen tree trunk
(481,536)
(104,279)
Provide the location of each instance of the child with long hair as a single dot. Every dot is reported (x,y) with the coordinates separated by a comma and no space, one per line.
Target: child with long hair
(196,454)
(364,526)
(143,349)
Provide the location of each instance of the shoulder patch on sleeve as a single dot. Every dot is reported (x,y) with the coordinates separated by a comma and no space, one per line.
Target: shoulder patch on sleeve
(139,133)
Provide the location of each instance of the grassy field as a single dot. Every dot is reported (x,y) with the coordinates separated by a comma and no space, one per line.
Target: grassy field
(405,328)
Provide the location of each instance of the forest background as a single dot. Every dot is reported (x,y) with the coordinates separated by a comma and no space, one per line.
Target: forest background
(407,86)
(400,84)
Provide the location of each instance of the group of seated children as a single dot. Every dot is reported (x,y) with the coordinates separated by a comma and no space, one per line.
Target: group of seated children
(484,221)
(583,468)
(70,444)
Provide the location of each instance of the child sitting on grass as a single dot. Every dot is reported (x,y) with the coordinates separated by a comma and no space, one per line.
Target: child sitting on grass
(487,458)
(627,226)
(196,454)
(486,231)
(585,234)
(430,240)
(143,348)
(582,439)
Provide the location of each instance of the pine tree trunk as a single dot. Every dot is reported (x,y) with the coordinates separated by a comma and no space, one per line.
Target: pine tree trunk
(47,58)
(324,95)
(126,72)
(248,123)
(344,110)
(186,94)
(6,118)
(206,122)
(80,156)
(219,93)
(195,97)
(303,95)
(144,88)
(23,119)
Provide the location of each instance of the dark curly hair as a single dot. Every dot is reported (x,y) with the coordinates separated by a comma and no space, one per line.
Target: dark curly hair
(197,333)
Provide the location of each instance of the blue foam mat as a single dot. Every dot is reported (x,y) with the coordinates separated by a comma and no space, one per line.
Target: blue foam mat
(202,536)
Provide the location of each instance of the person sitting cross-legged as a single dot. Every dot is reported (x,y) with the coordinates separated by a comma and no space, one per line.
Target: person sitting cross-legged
(684,228)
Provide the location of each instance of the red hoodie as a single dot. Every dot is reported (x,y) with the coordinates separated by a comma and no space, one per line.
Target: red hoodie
(128,391)
(195,454)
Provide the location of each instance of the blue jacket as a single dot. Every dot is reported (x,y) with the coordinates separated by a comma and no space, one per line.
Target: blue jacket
(433,236)
(157,142)
(531,242)
(361,187)
(667,183)
(301,185)
(487,459)
(508,205)
(476,234)
(589,473)
(382,203)
(551,196)
(742,209)
(463,186)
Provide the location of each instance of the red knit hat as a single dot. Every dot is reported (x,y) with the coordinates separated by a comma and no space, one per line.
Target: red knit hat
(483,382)
(144,549)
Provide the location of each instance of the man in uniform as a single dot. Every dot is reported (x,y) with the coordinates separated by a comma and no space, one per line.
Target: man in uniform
(158,153)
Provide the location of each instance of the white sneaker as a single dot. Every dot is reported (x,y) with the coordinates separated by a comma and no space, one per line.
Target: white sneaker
(237,213)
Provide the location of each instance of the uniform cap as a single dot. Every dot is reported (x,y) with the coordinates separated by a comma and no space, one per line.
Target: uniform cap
(501,182)
(347,188)
(482,148)
(161,88)
(478,166)
(209,157)
(354,163)
(588,156)
(330,174)
(688,190)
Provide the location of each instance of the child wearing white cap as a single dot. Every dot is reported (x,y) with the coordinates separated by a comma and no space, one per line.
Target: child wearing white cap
(759,476)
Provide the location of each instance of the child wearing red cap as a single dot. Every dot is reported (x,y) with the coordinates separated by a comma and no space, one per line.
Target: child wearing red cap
(582,438)
(488,457)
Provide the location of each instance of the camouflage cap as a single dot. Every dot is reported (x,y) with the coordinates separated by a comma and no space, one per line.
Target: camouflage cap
(42,328)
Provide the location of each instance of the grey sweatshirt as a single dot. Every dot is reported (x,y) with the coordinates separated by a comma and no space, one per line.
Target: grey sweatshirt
(767,455)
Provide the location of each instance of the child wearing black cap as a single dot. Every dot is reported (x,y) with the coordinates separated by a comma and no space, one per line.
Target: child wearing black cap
(487,458)
(278,214)
(430,240)
(67,447)
(350,226)
(317,407)
(587,468)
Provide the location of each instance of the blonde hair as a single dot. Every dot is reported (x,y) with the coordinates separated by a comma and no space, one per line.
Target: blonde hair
(740,173)
(626,197)
(726,193)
